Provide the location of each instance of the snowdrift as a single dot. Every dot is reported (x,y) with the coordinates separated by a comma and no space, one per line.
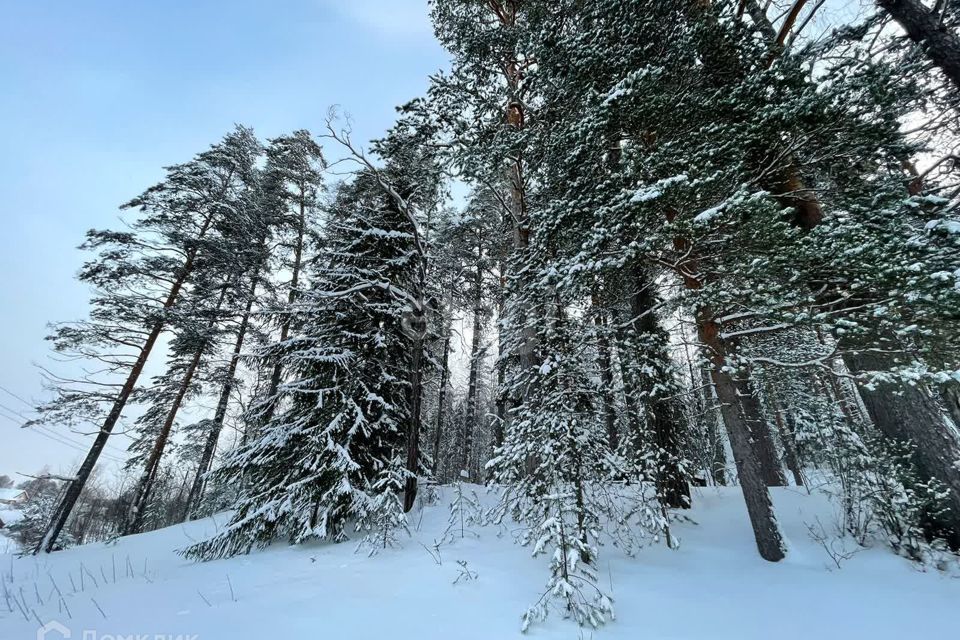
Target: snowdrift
(476,587)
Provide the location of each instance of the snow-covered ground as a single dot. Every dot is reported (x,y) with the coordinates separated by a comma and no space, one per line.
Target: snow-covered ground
(714,587)
(8,517)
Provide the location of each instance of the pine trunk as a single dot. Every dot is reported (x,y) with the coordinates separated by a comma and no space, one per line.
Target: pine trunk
(605,364)
(718,458)
(500,427)
(923,27)
(470,418)
(141,495)
(413,435)
(786,429)
(913,414)
(761,436)
(476,357)
(441,399)
(74,488)
(759,506)
(277,373)
(216,426)
(417,331)
(664,411)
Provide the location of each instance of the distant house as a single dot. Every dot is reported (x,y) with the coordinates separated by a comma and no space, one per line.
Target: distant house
(12,497)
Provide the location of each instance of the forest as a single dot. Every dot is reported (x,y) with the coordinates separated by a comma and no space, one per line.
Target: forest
(619,251)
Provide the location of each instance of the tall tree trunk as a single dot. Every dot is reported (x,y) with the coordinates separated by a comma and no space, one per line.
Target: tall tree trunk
(605,364)
(470,422)
(216,425)
(413,434)
(785,427)
(755,494)
(476,356)
(718,454)
(627,354)
(72,492)
(940,44)
(144,487)
(500,427)
(141,495)
(660,392)
(277,373)
(441,398)
(761,437)
(416,331)
(913,414)
(759,506)
(517,214)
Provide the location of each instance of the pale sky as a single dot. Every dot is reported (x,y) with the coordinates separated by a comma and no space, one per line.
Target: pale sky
(97,96)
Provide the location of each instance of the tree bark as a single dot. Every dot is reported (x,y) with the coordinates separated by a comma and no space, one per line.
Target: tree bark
(216,426)
(72,492)
(605,364)
(785,427)
(138,507)
(754,489)
(416,332)
(499,429)
(923,27)
(441,399)
(277,373)
(912,414)
(664,413)
(413,435)
(761,437)
(141,494)
(515,116)
(718,455)
(470,417)
(759,506)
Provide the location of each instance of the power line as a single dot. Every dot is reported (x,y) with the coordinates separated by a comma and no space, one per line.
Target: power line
(38,426)
(62,439)
(11,393)
(14,411)
(6,415)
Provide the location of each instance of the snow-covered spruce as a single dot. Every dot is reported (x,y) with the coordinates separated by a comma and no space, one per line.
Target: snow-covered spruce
(331,460)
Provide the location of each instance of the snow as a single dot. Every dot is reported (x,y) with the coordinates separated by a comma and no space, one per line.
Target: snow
(715,586)
(11,495)
(950,226)
(9,516)
(654,191)
(706,216)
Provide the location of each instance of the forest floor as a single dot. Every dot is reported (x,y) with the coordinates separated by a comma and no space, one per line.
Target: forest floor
(714,586)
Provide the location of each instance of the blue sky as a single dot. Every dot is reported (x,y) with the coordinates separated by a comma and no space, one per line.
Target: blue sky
(97,96)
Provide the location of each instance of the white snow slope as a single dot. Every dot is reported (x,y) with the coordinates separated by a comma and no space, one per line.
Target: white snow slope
(714,587)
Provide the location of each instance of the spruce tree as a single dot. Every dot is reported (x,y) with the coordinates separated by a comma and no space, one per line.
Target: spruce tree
(334,454)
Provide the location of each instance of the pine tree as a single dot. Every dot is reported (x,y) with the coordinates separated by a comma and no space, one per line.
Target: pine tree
(293,183)
(137,278)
